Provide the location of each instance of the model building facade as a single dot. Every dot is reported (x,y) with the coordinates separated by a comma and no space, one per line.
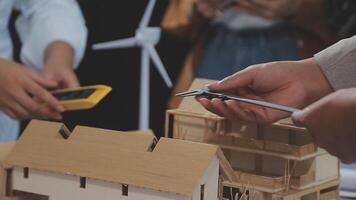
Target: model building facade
(91,163)
(277,161)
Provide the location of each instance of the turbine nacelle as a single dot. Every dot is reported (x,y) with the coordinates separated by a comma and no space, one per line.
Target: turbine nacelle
(149,35)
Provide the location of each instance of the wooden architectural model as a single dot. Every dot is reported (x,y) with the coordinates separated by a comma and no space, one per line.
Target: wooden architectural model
(91,163)
(277,161)
(209,158)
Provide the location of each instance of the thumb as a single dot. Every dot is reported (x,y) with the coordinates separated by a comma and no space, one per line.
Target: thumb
(299,117)
(238,80)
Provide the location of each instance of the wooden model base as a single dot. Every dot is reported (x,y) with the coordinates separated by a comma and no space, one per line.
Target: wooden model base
(326,191)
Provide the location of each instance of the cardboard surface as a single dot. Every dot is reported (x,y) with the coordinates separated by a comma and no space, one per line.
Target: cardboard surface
(41,148)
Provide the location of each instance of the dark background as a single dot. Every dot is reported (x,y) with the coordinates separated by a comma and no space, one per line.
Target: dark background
(114,19)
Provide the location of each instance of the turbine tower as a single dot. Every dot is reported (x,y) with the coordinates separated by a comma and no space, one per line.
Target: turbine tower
(146,38)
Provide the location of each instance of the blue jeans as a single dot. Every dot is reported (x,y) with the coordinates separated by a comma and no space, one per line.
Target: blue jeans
(228,51)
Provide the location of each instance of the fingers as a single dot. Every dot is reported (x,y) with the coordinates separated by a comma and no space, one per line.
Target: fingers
(210,8)
(240,112)
(209,105)
(44,96)
(22,107)
(19,96)
(259,8)
(71,81)
(228,109)
(240,79)
(303,117)
(299,118)
(64,77)
(48,113)
(40,80)
(45,112)
(221,109)
(42,105)
(13,109)
(26,101)
(233,110)
(262,4)
(16,111)
(206,103)
(276,9)
(10,113)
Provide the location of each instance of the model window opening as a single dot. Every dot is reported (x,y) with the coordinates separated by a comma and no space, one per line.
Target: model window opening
(125,190)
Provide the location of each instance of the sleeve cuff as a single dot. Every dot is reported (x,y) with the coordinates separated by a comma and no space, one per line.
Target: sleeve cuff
(338,63)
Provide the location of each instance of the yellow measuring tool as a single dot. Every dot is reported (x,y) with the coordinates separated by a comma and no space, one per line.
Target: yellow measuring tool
(81,98)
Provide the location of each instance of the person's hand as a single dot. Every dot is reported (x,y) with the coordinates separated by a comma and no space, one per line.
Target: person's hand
(23,93)
(294,84)
(211,8)
(59,65)
(270,9)
(63,76)
(331,121)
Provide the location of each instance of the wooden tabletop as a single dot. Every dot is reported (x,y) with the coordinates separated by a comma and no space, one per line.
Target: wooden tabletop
(29,198)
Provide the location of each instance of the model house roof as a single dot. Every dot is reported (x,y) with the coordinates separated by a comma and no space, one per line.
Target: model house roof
(174,166)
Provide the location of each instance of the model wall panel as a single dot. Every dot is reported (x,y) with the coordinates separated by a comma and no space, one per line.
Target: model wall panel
(210,181)
(64,187)
(189,128)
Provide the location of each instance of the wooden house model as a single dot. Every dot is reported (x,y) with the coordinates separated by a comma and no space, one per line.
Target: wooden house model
(277,161)
(90,163)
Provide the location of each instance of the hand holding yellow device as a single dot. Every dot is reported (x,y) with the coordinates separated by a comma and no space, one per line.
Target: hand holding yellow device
(81,98)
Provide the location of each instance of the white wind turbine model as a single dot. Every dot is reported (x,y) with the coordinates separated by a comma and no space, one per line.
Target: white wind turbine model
(147,38)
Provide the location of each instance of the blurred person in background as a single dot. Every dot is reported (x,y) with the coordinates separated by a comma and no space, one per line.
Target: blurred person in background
(226,40)
(53,36)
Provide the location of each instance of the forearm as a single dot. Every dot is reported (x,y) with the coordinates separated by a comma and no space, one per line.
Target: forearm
(59,54)
(315,82)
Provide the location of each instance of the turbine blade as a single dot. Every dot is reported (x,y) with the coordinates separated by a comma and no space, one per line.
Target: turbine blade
(158,63)
(116,44)
(148,14)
